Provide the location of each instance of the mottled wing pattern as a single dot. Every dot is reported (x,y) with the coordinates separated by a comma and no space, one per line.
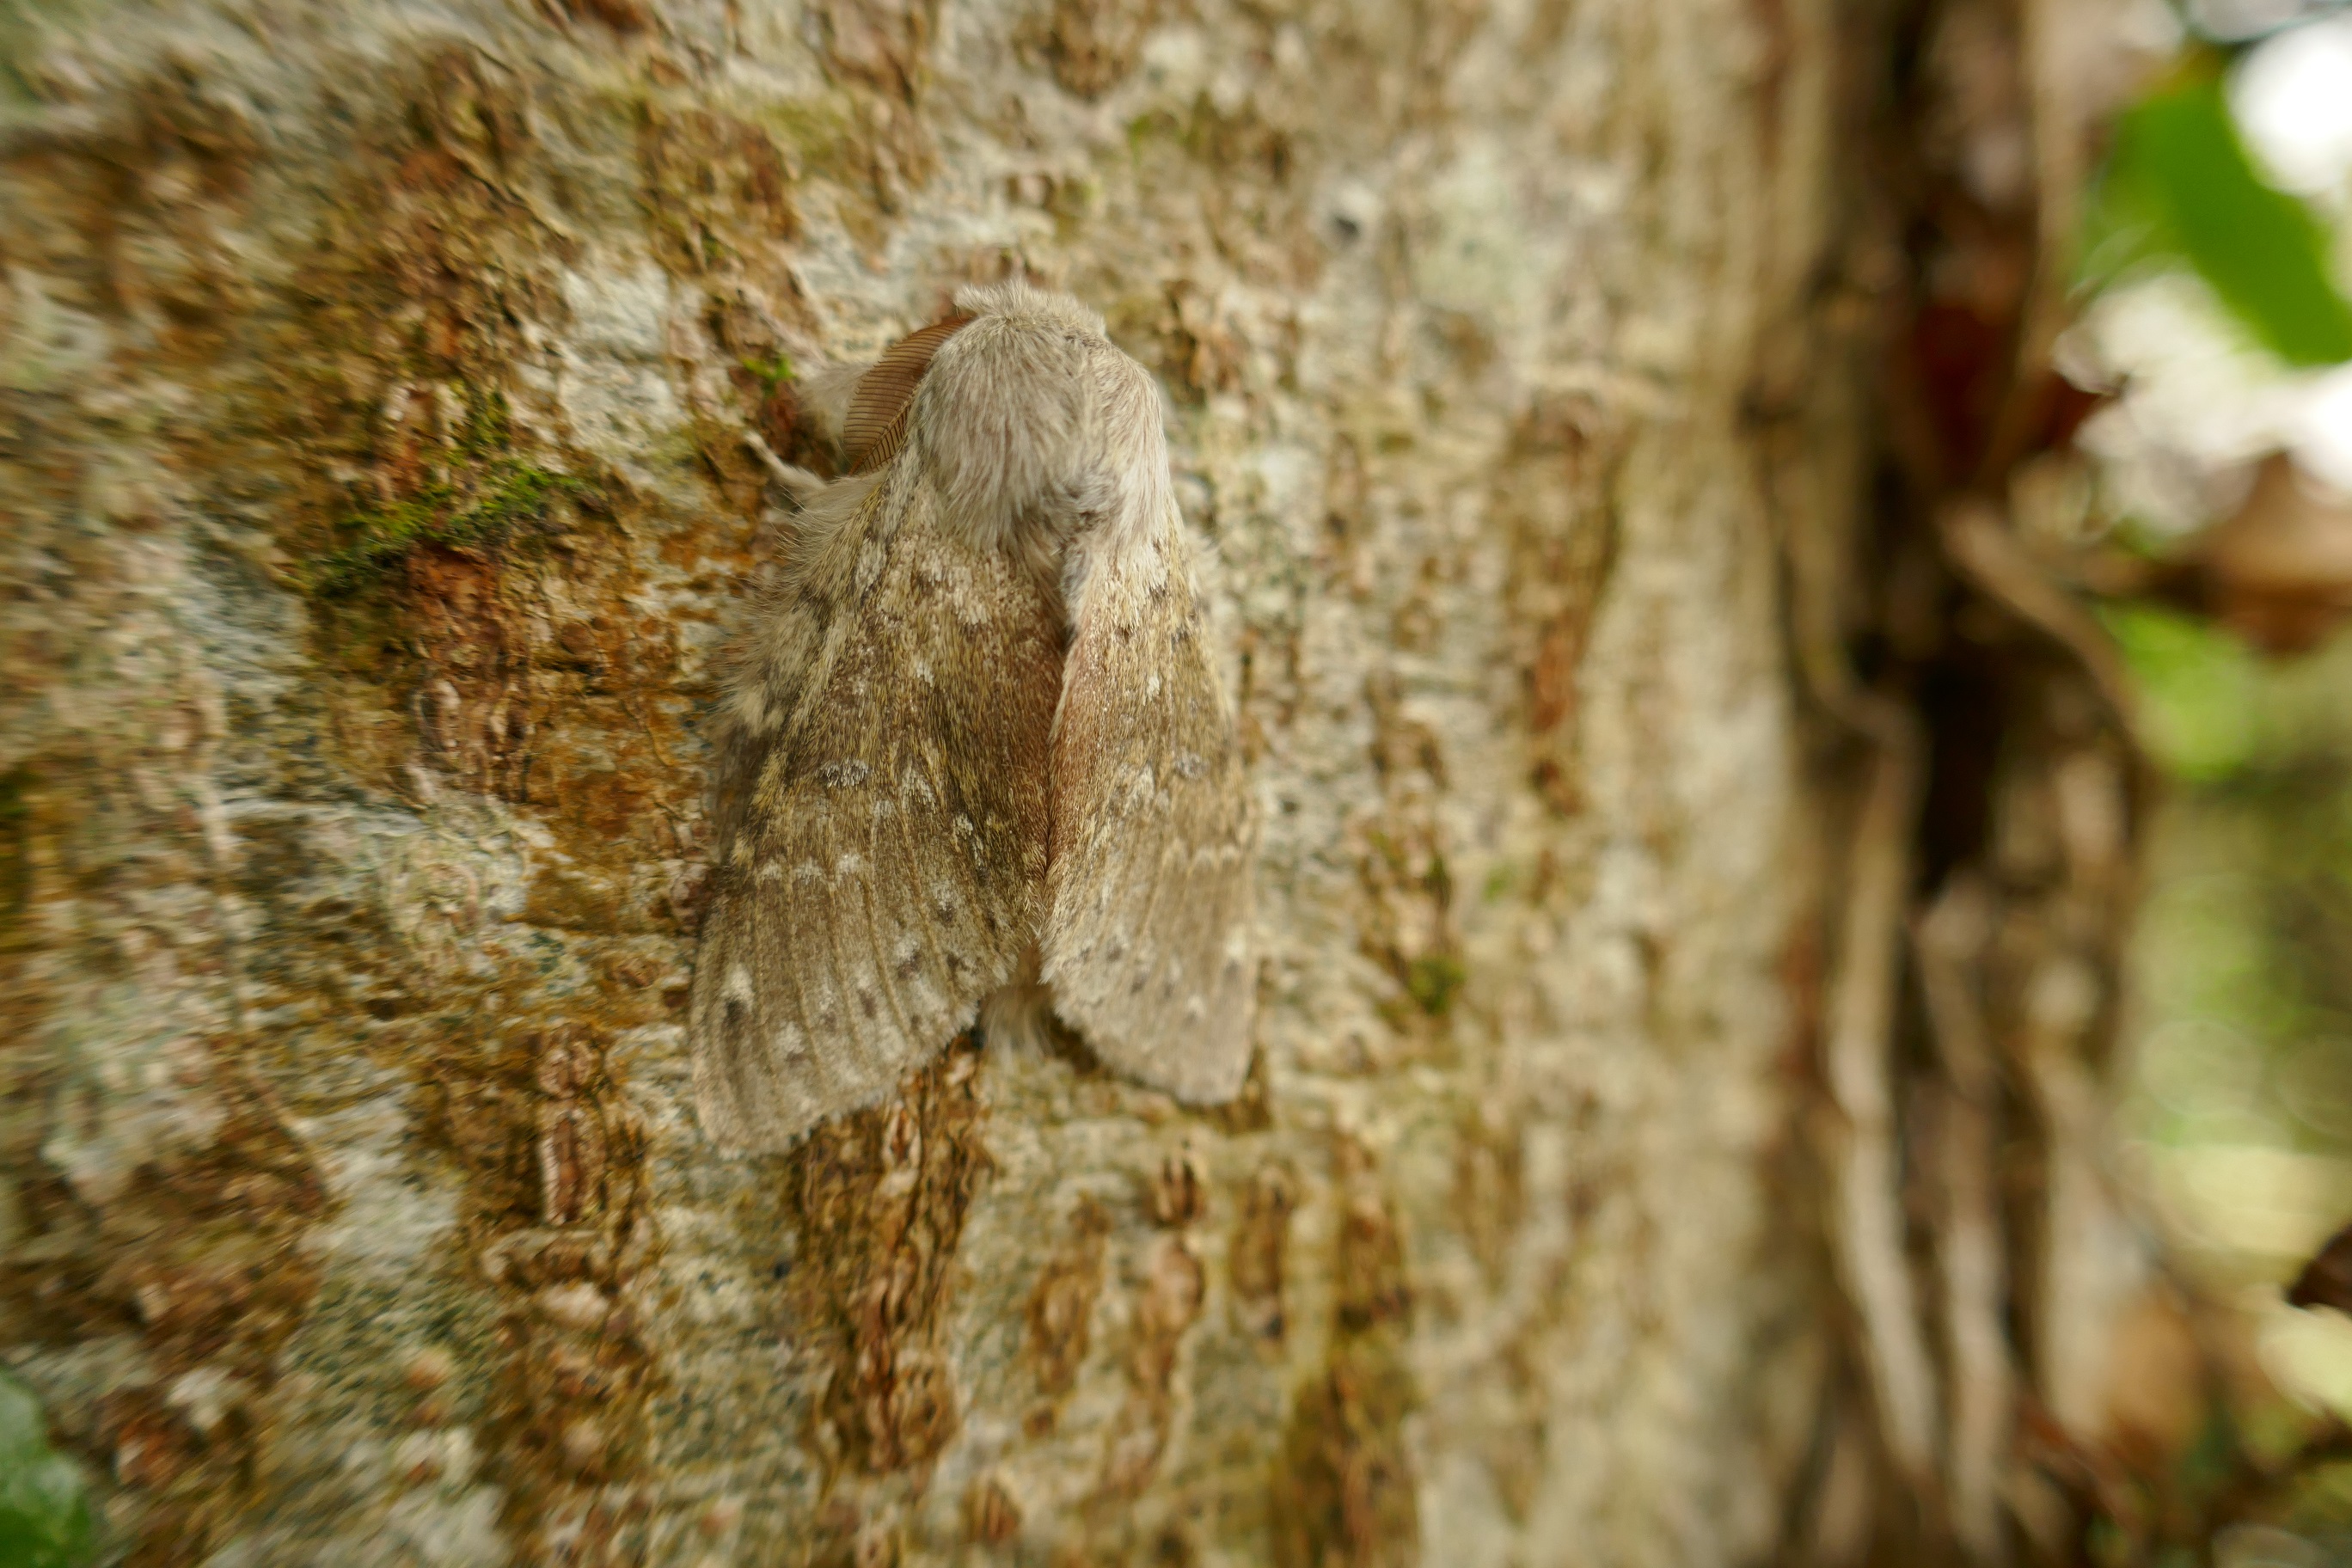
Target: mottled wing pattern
(890,873)
(1148,889)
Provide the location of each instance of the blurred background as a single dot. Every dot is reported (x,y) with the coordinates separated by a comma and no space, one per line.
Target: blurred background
(1966,1265)
(2221,462)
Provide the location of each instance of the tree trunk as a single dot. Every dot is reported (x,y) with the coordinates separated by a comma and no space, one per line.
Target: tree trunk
(378,379)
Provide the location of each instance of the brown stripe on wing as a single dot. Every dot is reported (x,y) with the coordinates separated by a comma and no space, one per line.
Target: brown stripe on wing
(876,426)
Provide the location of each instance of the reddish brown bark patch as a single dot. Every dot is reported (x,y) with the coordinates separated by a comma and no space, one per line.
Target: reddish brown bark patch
(1406,922)
(1261,1244)
(1343,1488)
(553,1215)
(1061,1307)
(1092,45)
(1489,1189)
(1167,1304)
(192,1238)
(880,1198)
(1554,492)
(990,1515)
(718,190)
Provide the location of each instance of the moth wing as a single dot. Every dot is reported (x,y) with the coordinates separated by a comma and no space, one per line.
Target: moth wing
(1148,880)
(888,870)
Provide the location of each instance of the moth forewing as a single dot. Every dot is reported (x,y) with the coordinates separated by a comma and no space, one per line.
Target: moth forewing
(888,871)
(1147,887)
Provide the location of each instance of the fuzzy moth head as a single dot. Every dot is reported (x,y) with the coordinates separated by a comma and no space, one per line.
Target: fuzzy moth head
(1002,420)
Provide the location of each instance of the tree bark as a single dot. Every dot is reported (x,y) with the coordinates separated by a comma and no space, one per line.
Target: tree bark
(379,378)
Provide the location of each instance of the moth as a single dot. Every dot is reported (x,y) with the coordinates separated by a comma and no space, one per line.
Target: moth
(976,760)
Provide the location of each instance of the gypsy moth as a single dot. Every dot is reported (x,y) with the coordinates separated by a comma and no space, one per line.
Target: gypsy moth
(976,727)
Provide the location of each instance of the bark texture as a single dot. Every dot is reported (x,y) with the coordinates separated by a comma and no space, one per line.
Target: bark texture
(377,376)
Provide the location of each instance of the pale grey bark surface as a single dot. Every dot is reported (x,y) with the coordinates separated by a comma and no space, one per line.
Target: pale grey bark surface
(377,378)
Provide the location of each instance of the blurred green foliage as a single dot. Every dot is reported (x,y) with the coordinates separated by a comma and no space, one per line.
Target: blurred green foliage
(2241,1056)
(2178,185)
(2199,689)
(43,1515)
(2241,1033)
(2244,950)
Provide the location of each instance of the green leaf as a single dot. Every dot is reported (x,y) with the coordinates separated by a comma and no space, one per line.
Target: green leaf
(2178,182)
(2199,715)
(44,1512)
